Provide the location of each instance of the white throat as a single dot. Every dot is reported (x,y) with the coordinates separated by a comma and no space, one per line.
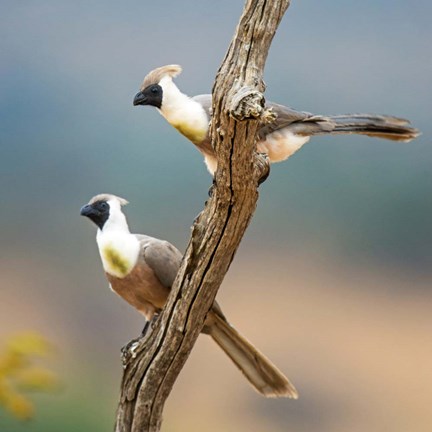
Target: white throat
(118,248)
(182,112)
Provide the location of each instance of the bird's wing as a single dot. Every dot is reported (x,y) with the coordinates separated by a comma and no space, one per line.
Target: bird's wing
(164,260)
(205,146)
(162,257)
(206,101)
(285,116)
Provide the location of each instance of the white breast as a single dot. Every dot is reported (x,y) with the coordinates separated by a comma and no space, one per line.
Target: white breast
(119,252)
(281,144)
(182,112)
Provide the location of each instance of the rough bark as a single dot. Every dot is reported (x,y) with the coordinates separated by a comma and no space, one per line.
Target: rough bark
(238,103)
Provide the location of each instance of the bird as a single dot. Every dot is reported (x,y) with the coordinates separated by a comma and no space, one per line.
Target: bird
(141,269)
(279,139)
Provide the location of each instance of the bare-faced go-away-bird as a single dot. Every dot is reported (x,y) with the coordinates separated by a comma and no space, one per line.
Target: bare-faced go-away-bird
(142,269)
(279,139)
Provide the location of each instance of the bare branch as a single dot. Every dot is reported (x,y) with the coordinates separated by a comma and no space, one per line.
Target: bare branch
(238,108)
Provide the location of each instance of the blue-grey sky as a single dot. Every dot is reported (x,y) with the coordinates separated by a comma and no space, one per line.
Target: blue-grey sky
(69,71)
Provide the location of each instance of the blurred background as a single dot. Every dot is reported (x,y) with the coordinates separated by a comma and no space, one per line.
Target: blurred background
(333,278)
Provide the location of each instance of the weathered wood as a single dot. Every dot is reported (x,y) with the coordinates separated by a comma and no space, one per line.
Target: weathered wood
(216,234)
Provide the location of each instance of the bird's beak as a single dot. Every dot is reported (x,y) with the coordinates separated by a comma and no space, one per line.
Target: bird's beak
(140,99)
(87,210)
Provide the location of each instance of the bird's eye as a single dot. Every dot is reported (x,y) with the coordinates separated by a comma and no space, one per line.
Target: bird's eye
(154,90)
(103,206)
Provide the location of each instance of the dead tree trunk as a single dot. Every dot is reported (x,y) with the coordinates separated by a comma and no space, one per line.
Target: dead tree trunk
(238,103)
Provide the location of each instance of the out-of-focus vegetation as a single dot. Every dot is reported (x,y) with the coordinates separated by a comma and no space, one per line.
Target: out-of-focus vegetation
(21,374)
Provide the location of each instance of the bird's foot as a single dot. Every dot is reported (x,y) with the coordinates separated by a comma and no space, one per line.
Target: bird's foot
(152,323)
(128,352)
(212,187)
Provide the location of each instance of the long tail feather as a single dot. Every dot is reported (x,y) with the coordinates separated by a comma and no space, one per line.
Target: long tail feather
(380,126)
(264,376)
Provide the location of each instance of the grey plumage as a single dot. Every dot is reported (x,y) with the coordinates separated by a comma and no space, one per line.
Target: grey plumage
(279,139)
(308,124)
(162,257)
(142,269)
(161,260)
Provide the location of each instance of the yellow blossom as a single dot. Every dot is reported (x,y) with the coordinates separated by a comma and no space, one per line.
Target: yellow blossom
(37,378)
(19,374)
(29,343)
